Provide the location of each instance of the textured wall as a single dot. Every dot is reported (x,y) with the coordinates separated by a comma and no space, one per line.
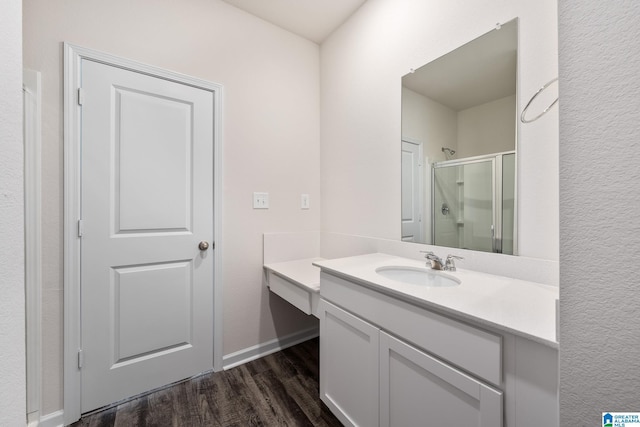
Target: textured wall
(362,65)
(12,348)
(599,219)
(270,135)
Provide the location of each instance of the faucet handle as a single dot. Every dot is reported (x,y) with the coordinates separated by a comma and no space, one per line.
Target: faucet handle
(430,255)
(436,261)
(450,264)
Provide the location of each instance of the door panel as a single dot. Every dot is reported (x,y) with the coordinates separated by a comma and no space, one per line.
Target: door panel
(412,189)
(415,387)
(151,297)
(147,201)
(155,136)
(348,366)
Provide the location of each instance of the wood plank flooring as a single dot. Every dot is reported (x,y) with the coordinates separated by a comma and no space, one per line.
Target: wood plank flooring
(277,390)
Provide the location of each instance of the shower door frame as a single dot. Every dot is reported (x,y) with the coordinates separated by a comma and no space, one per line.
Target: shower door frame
(497,196)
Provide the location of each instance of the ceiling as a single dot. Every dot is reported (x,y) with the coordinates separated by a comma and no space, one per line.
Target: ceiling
(311,19)
(482,70)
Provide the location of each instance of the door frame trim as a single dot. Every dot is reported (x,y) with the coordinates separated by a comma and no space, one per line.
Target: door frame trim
(73,55)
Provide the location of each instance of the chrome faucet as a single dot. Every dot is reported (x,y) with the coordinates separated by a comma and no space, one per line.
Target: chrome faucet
(436,263)
(433,260)
(450,264)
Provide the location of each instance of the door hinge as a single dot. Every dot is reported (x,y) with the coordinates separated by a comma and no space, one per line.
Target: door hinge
(80,359)
(80,96)
(80,227)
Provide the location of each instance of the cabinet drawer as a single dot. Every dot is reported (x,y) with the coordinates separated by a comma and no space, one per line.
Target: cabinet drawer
(300,298)
(472,349)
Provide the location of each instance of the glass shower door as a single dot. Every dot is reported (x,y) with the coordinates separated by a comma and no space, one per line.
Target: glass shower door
(464,208)
(446,214)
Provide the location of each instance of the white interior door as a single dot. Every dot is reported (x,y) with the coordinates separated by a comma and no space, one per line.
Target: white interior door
(412,193)
(147,203)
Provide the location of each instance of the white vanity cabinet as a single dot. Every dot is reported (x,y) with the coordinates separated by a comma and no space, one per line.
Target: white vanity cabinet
(370,378)
(387,362)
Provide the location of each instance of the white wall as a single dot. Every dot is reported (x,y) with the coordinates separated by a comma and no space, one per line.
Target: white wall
(599,220)
(599,154)
(429,122)
(362,64)
(487,128)
(12,369)
(483,129)
(270,134)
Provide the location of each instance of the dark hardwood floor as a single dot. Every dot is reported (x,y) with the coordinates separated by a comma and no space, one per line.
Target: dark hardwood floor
(277,390)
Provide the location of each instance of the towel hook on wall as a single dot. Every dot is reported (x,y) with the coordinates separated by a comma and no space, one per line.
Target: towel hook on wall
(524,111)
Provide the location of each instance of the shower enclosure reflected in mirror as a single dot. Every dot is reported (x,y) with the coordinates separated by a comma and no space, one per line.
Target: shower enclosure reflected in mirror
(459,133)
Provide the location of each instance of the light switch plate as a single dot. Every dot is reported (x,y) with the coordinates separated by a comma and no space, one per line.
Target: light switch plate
(304,201)
(260,200)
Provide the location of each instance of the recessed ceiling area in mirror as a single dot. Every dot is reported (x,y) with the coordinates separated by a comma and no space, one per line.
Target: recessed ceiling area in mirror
(459,139)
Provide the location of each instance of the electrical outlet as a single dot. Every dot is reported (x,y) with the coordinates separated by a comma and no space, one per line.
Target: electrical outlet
(260,200)
(304,201)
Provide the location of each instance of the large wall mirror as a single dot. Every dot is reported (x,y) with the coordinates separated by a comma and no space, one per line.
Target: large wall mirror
(459,139)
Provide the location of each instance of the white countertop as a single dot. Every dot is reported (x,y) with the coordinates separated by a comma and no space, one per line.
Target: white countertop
(302,272)
(526,309)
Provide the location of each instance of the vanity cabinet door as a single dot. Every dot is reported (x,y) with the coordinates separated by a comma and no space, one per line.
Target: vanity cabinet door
(417,389)
(348,366)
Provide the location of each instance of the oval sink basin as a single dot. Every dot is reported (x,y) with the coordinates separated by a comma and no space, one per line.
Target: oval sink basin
(418,276)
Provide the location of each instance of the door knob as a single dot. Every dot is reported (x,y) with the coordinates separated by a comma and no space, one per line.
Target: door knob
(203,246)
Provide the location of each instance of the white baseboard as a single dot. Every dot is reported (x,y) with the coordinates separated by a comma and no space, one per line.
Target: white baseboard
(263,349)
(54,419)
